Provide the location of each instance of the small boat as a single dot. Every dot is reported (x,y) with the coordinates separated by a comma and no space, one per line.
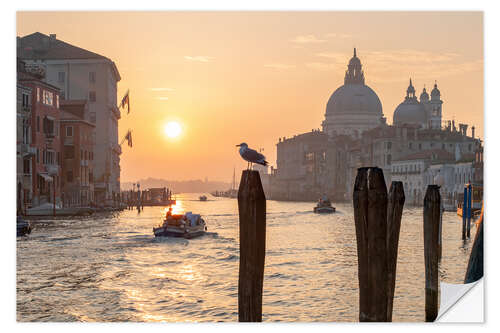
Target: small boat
(203,198)
(182,225)
(23,227)
(324,206)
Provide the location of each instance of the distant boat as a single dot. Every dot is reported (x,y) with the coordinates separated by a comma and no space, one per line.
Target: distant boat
(182,225)
(23,227)
(203,198)
(324,206)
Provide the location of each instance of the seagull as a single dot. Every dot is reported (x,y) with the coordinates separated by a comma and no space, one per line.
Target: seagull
(251,155)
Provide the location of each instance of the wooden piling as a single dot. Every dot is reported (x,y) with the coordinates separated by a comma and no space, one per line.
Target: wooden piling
(370,215)
(252,216)
(432,211)
(469,208)
(394,214)
(475,266)
(464,213)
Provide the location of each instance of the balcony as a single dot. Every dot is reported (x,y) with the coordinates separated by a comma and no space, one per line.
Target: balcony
(115,110)
(27,151)
(52,169)
(116,148)
(68,141)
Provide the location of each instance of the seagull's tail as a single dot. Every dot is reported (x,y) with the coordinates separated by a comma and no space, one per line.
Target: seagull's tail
(264,163)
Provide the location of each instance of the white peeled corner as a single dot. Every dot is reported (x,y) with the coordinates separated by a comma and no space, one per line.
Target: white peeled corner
(461,303)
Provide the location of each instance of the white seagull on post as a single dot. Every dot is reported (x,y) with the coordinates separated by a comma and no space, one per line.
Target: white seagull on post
(251,156)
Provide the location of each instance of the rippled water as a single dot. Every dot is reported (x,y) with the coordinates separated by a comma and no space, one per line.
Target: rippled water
(110,267)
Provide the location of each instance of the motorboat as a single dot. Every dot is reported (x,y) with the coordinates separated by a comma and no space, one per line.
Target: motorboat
(23,227)
(187,225)
(324,206)
(203,198)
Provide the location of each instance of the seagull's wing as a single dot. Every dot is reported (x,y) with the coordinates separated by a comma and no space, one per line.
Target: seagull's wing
(253,156)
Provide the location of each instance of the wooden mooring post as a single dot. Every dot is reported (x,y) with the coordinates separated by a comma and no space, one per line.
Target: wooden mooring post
(475,266)
(432,212)
(377,234)
(464,213)
(252,216)
(469,208)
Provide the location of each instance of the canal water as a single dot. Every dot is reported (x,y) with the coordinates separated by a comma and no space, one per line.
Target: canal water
(110,267)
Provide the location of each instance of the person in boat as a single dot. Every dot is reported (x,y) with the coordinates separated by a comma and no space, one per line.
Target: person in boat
(169,213)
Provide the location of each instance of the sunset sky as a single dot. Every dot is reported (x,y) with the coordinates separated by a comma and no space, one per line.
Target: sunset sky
(232,77)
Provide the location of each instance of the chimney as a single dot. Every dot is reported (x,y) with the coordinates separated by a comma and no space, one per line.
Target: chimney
(473,131)
(465,129)
(52,36)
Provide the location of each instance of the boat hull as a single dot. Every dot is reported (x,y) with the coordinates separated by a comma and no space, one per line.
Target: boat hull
(324,210)
(178,232)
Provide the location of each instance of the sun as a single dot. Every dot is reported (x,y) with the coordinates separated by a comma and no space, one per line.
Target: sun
(173,129)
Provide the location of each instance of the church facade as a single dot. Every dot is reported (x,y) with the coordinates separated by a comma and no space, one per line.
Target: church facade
(355,134)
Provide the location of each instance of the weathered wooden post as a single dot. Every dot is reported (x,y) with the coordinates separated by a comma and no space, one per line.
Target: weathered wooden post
(370,216)
(475,266)
(432,211)
(464,213)
(252,213)
(394,214)
(469,208)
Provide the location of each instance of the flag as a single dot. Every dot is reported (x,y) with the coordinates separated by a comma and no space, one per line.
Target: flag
(126,100)
(128,137)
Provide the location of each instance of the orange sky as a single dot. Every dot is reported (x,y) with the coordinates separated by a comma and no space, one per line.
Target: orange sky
(229,77)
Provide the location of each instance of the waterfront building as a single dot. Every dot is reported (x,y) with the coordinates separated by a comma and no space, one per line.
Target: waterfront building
(45,137)
(24,151)
(355,134)
(84,75)
(78,136)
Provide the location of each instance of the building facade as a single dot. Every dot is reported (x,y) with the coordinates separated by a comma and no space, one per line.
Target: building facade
(355,134)
(77,154)
(45,137)
(84,75)
(24,151)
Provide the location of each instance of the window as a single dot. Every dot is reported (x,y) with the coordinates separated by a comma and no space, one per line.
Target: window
(91,177)
(443,146)
(81,154)
(58,157)
(92,77)
(92,117)
(38,123)
(389,159)
(410,145)
(420,146)
(69,176)
(57,101)
(389,145)
(69,130)
(61,77)
(92,97)
(26,100)
(48,98)
(26,166)
(38,94)
(470,147)
(48,127)
(37,155)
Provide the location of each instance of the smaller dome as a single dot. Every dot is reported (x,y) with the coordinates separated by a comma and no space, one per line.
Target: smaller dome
(424,96)
(410,112)
(435,93)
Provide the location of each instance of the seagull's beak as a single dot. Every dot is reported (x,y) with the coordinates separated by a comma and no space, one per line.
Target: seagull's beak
(238,145)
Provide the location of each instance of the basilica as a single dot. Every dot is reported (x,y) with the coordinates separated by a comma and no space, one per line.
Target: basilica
(417,147)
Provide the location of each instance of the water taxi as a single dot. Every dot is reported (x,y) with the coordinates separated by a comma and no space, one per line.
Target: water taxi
(324,206)
(203,198)
(181,225)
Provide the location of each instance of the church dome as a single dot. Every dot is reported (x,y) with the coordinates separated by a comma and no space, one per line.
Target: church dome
(411,111)
(435,93)
(353,107)
(424,96)
(354,99)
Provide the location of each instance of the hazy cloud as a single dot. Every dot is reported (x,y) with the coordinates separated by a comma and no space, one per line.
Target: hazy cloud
(399,65)
(307,39)
(198,58)
(161,89)
(162,98)
(338,35)
(279,66)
